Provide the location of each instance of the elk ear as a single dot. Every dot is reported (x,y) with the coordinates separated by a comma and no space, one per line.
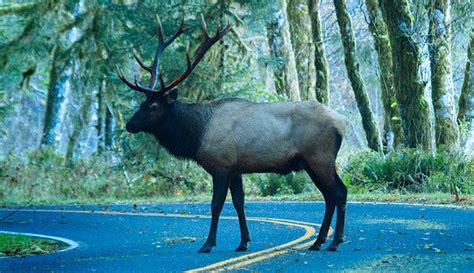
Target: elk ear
(172,96)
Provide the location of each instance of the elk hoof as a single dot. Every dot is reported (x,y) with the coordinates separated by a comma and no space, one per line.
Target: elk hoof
(205,249)
(334,244)
(332,247)
(317,245)
(242,247)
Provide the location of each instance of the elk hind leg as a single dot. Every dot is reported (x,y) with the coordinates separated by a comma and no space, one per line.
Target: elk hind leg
(340,194)
(322,184)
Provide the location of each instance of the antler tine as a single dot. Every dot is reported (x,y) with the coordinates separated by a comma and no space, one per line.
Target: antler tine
(178,32)
(188,56)
(144,66)
(203,25)
(135,86)
(159,29)
(161,47)
(206,43)
(162,82)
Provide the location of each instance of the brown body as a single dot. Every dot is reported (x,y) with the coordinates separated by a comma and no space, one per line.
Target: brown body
(245,137)
(231,137)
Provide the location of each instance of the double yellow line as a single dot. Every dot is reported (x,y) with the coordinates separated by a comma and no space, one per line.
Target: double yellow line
(232,263)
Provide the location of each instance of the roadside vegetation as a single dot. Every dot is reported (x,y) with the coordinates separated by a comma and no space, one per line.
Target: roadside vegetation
(408,175)
(20,245)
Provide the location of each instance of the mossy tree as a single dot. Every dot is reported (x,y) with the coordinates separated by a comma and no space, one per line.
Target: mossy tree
(320,61)
(466,100)
(59,73)
(439,37)
(353,71)
(300,29)
(378,29)
(414,110)
(279,39)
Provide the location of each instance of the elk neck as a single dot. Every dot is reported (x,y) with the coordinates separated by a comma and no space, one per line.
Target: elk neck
(181,128)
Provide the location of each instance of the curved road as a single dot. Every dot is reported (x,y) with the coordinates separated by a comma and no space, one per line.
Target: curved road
(166,237)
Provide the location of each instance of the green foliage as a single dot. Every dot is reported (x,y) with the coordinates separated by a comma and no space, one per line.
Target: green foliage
(150,172)
(273,184)
(19,245)
(410,170)
(44,174)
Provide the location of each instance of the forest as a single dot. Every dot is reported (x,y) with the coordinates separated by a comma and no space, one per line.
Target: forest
(400,71)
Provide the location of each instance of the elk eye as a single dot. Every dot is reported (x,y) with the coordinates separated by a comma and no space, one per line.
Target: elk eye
(154,106)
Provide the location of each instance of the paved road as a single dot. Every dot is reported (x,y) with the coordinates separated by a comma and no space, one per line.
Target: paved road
(166,237)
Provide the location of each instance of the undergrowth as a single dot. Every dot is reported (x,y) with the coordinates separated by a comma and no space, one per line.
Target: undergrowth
(410,170)
(45,176)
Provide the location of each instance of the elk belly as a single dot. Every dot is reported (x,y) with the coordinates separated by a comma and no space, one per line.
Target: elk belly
(263,143)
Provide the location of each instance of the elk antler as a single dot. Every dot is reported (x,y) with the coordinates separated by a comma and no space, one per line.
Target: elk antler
(206,43)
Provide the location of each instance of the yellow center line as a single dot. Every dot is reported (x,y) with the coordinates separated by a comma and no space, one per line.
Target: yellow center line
(253,257)
(232,263)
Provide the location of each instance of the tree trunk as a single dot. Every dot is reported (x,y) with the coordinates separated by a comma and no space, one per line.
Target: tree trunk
(109,128)
(447,130)
(223,50)
(466,101)
(81,121)
(54,100)
(300,29)
(278,31)
(379,32)
(407,60)
(352,66)
(320,62)
(100,126)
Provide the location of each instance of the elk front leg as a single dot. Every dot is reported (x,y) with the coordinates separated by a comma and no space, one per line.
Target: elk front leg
(237,191)
(220,185)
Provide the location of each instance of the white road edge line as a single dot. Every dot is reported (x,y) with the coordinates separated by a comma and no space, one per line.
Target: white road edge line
(72,244)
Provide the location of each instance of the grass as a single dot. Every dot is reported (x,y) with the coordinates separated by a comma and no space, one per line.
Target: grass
(405,175)
(20,245)
(393,197)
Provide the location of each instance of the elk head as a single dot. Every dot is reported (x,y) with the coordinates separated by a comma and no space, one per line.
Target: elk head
(159,99)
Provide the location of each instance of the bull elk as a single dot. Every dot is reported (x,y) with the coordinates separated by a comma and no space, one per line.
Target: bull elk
(231,137)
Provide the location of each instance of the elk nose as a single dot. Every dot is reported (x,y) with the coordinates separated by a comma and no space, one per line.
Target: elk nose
(131,128)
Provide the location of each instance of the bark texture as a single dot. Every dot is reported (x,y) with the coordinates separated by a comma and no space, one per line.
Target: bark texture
(407,60)
(300,29)
(100,126)
(80,123)
(109,134)
(54,99)
(352,67)
(466,100)
(320,61)
(447,130)
(278,31)
(378,29)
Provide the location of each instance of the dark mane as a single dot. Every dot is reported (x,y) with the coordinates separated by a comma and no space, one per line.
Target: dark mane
(182,127)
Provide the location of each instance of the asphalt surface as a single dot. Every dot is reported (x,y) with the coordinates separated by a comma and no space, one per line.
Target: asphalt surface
(166,237)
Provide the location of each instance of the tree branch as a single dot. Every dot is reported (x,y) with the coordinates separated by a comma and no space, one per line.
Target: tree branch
(17,9)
